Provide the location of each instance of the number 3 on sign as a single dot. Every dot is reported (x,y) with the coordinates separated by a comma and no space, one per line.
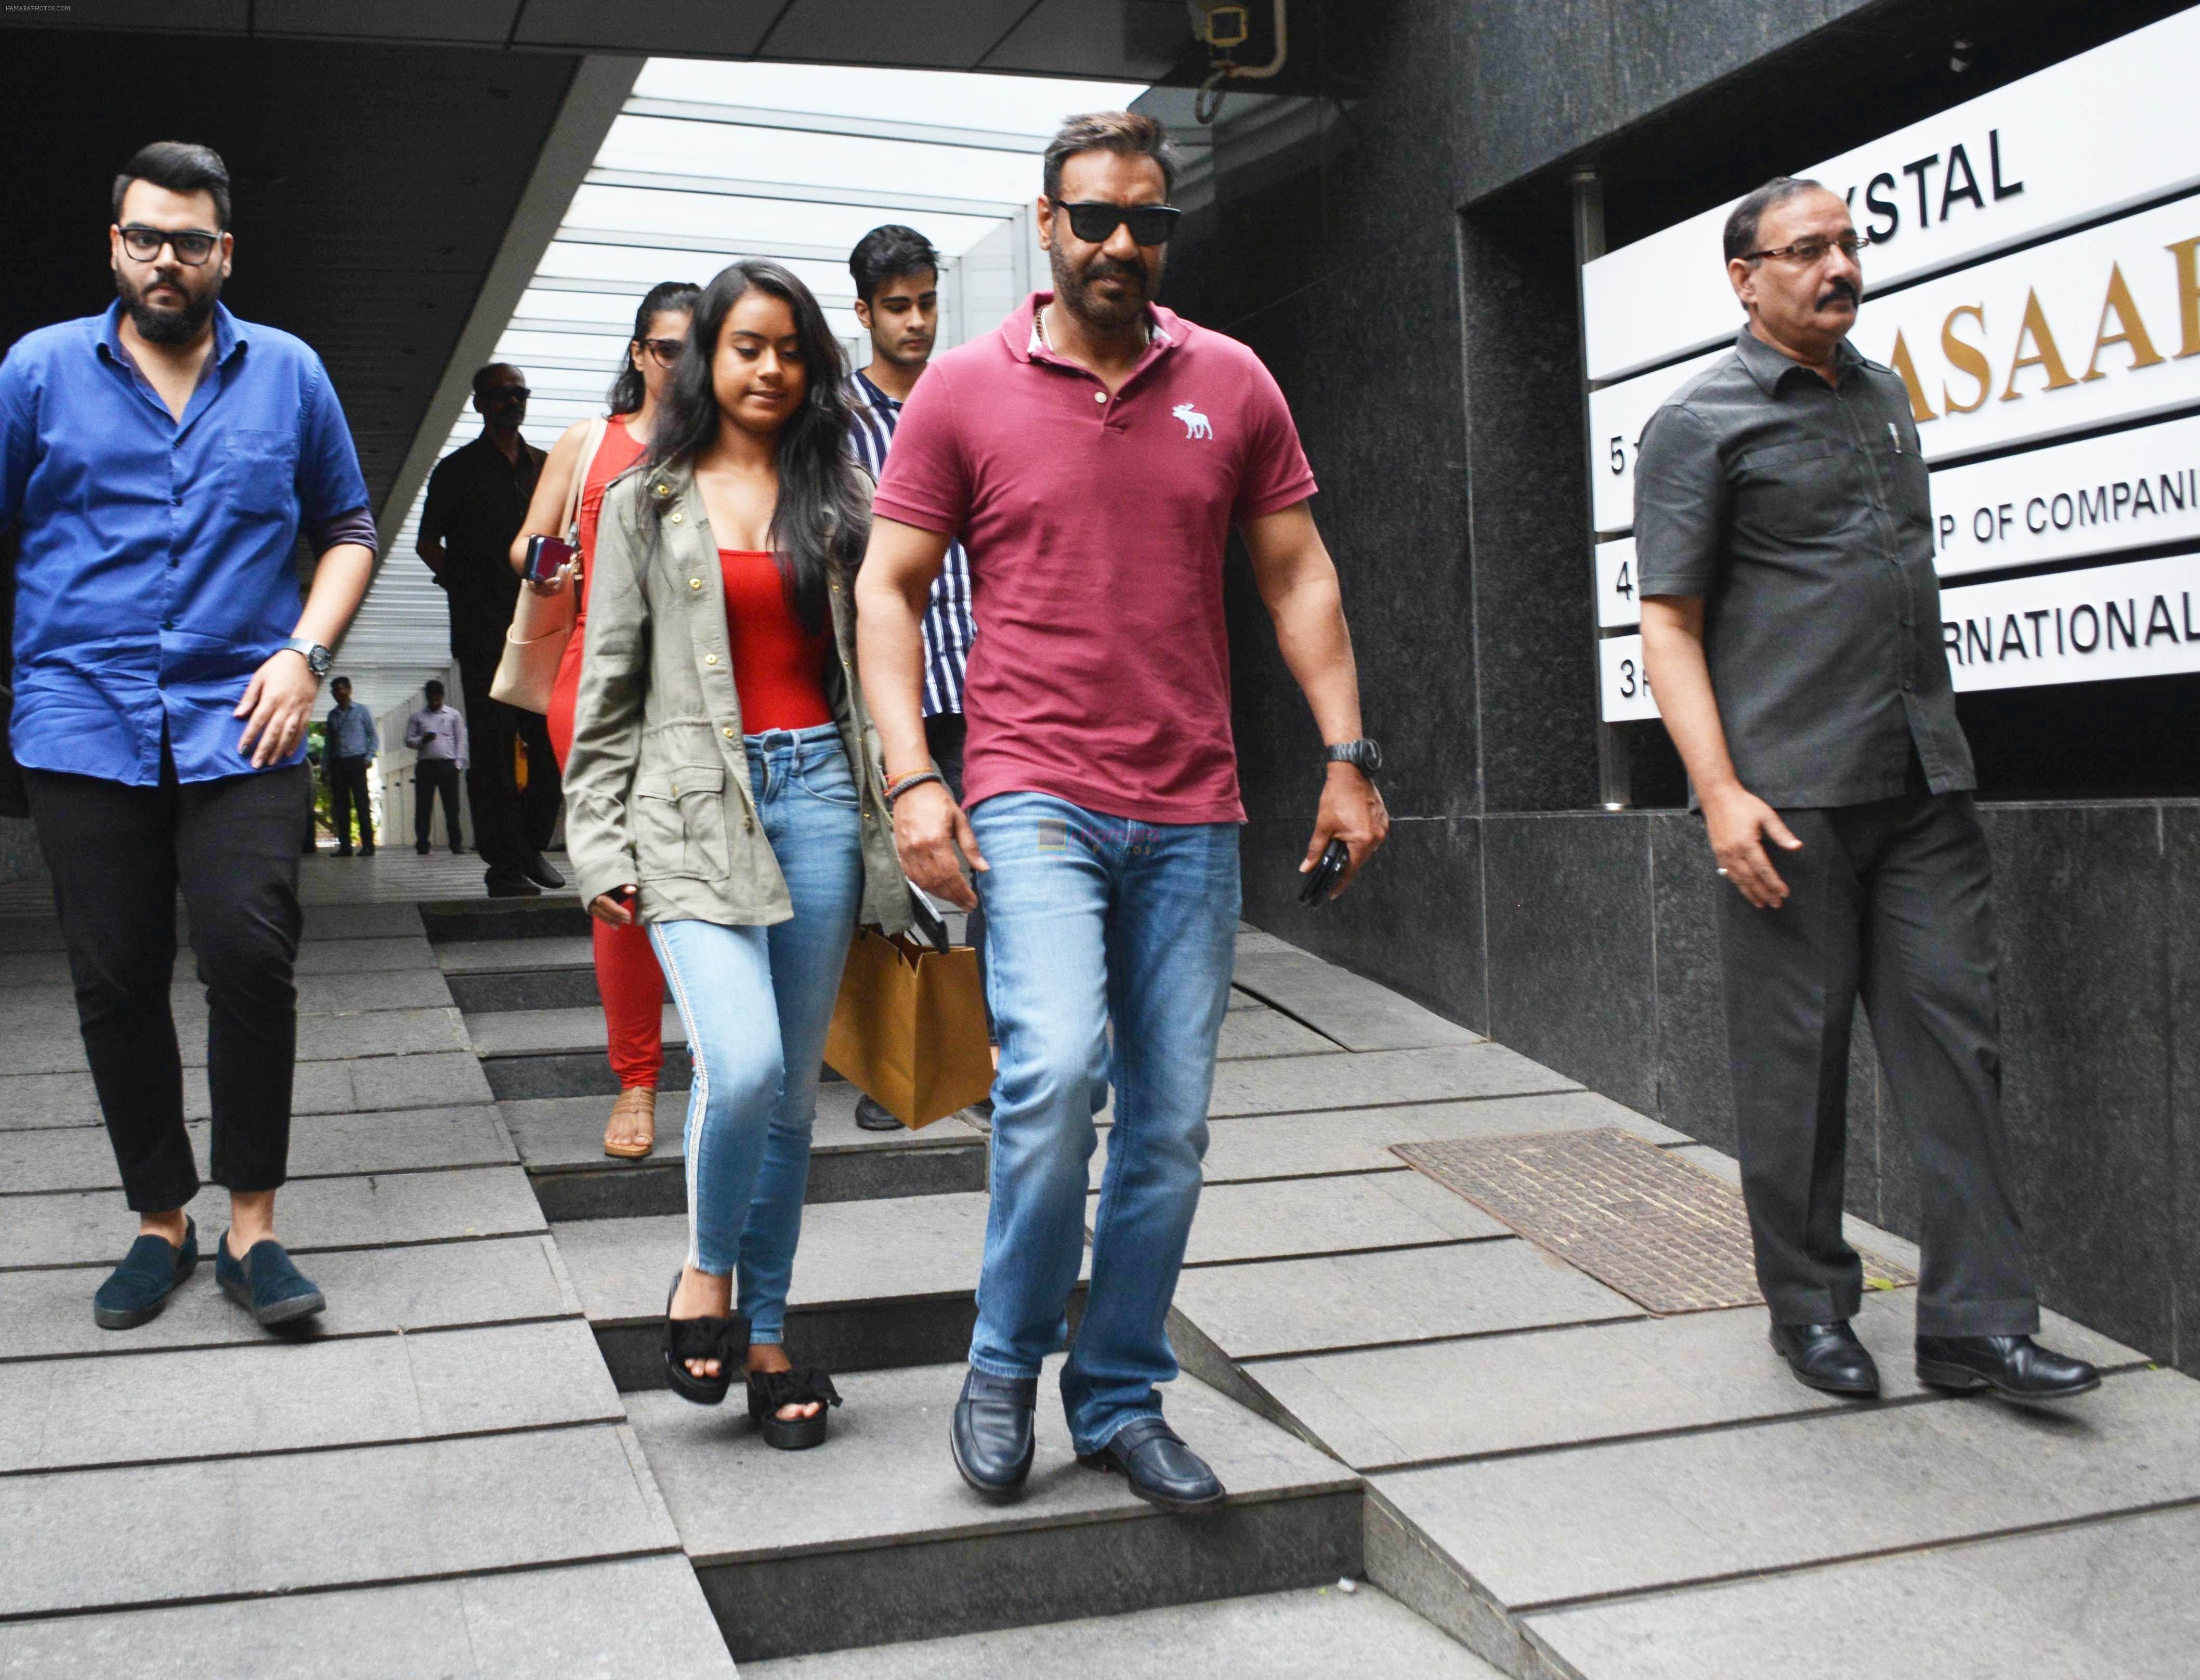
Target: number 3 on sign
(1627,696)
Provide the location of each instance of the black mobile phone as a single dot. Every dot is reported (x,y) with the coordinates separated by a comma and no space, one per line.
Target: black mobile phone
(546,557)
(1325,875)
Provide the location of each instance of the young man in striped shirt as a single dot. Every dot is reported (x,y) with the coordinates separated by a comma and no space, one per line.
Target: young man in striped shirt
(896,275)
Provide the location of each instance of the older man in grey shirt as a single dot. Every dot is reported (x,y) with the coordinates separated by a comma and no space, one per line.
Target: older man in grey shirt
(1790,626)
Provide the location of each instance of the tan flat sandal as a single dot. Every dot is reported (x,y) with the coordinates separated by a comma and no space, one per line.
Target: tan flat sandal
(641,1100)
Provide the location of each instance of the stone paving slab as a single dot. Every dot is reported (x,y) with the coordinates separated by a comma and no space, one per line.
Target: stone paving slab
(1860,1235)
(2109,1600)
(1329,1215)
(472,957)
(1553,1527)
(46,1314)
(327,921)
(70,1413)
(1413,1294)
(1499,1394)
(1317,1633)
(889,1248)
(51,1044)
(886,1474)
(569,1131)
(529,1031)
(94,1227)
(1356,1013)
(1248,1034)
(1358,1140)
(49,966)
(36,1010)
(80,1158)
(639,1618)
(1377,1078)
(299,1521)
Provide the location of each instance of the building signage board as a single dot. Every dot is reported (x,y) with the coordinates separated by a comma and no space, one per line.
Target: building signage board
(2088,329)
(2130,490)
(1624,682)
(1618,604)
(2110,129)
(2138,619)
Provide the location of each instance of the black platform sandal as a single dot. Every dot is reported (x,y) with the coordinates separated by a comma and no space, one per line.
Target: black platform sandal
(804,1385)
(726,1340)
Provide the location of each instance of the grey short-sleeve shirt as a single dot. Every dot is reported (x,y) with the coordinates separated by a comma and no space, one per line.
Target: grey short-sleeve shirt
(1801,511)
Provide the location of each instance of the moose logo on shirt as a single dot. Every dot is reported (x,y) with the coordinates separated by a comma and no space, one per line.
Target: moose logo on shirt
(1195,425)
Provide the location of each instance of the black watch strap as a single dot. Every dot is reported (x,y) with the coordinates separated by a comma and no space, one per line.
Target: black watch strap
(1364,754)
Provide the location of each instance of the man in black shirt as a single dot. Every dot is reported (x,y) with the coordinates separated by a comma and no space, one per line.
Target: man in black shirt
(1791,623)
(477,497)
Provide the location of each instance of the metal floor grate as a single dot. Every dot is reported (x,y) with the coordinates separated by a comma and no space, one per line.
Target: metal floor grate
(1660,1230)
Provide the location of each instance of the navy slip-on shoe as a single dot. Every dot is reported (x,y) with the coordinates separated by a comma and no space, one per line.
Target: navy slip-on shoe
(266,1283)
(1161,1469)
(136,1289)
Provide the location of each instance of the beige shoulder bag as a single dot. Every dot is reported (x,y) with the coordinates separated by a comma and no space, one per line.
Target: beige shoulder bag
(541,625)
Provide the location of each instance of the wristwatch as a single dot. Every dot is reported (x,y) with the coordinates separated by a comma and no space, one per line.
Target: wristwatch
(1363,754)
(317,657)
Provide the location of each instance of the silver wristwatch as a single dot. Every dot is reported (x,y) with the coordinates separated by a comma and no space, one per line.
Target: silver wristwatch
(317,657)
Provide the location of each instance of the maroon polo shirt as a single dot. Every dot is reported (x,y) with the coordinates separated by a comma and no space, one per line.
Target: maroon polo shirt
(1096,527)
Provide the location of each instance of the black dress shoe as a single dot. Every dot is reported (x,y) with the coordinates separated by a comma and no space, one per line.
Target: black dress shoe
(1827,1356)
(990,1432)
(2015,1366)
(874,1117)
(509,884)
(1162,1470)
(540,872)
(421,847)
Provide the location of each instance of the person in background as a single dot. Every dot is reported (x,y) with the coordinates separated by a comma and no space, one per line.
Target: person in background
(1095,452)
(349,742)
(438,735)
(896,276)
(721,793)
(477,497)
(160,460)
(1791,624)
(628,982)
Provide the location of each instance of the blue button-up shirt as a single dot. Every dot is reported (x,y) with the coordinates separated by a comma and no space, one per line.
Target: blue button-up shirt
(155,571)
(350,732)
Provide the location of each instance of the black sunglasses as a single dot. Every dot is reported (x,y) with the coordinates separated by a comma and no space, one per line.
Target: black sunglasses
(1096,222)
(192,249)
(504,394)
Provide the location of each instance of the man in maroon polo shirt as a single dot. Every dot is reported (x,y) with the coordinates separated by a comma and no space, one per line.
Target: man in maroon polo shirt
(1092,457)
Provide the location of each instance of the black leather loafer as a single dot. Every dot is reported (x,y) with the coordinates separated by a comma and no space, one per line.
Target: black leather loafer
(136,1289)
(1828,1356)
(990,1432)
(1162,1470)
(2015,1367)
(539,871)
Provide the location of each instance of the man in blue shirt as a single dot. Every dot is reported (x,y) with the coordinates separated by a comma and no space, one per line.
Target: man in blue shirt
(158,460)
(348,744)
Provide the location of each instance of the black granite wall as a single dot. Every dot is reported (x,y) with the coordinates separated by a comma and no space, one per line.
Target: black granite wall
(1397,245)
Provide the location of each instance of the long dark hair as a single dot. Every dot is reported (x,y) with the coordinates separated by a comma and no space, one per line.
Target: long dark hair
(627,393)
(819,528)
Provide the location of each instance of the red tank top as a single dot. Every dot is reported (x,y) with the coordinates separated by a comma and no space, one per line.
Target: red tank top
(779,667)
(614,455)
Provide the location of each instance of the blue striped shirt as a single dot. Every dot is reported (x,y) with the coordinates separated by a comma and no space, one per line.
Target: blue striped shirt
(948,629)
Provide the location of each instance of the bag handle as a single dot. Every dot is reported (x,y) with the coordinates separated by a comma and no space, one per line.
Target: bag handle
(591,441)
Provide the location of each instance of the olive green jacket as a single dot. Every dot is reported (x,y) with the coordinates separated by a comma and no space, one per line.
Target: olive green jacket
(657,784)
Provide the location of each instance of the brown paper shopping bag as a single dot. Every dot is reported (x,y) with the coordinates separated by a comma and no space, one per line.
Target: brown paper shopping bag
(908,1029)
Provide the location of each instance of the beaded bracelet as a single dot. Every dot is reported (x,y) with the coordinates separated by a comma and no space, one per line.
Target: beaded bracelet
(915,779)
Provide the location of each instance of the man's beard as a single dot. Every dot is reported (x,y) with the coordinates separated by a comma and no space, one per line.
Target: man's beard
(157,325)
(1074,288)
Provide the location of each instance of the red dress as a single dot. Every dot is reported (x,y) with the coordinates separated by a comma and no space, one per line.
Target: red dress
(628,978)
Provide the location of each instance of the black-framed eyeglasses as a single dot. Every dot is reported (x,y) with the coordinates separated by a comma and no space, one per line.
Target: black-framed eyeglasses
(666,351)
(1095,221)
(1811,252)
(192,248)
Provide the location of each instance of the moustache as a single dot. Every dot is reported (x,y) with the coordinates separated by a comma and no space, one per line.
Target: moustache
(1108,268)
(1838,289)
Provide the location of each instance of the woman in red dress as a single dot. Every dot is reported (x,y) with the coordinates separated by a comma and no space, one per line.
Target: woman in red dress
(628,978)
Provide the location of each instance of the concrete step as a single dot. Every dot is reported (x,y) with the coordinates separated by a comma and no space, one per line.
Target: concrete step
(560,1141)
(1313,1633)
(878,1283)
(552,915)
(874,1539)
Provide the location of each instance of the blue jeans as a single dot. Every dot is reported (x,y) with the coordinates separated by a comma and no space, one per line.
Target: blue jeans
(1089,920)
(756,1001)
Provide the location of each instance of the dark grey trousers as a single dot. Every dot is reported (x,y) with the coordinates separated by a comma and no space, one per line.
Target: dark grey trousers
(1893,900)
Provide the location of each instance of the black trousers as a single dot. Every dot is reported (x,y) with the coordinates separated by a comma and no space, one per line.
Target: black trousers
(436,779)
(510,826)
(1894,901)
(348,793)
(118,855)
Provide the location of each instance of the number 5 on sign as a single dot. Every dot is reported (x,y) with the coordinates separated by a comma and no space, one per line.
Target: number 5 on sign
(1626,683)
(1618,603)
